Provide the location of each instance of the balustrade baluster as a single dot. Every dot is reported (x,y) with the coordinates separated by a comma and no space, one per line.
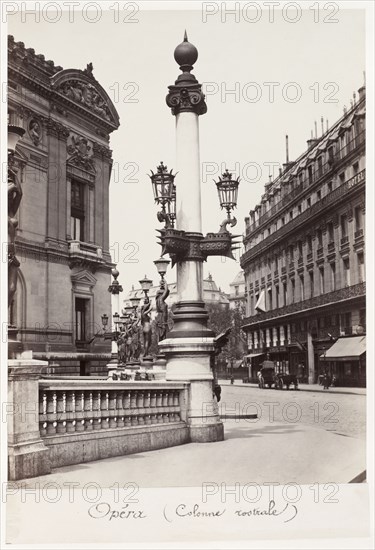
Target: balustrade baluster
(80,420)
(165,398)
(127,400)
(140,399)
(88,409)
(159,398)
(112,409)
(96,410)
(133,399)
(70,412)
(51,413)
(42,412)
(170,398)
(60,412)
(153,399)
(104,411)
(176,398)
(120,409)
(147,399)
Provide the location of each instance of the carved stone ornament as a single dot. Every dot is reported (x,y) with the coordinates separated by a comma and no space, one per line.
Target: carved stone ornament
(189,98)
(80,152)
(35,131)
(86,94)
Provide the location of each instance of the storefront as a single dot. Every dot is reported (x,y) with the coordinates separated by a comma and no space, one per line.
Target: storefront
(253,361)
(346,360)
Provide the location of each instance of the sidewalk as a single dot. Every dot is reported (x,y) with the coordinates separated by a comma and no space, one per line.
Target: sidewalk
(305,454)
(302,387)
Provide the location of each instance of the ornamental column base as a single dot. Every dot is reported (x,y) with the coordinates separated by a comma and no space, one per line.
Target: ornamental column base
(188,359)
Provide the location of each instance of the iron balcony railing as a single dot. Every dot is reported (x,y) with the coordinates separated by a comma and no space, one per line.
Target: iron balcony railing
(325,202)
(328,298)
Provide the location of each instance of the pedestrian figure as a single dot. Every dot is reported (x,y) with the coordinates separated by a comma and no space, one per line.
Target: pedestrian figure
(232,379)
(217,392)
(326,382)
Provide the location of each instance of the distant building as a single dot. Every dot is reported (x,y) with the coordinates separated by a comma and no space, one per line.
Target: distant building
(304,259)
(237,293)
(64,163)
(211,294)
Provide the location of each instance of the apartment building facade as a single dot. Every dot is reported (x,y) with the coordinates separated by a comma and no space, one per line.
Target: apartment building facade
(304,259)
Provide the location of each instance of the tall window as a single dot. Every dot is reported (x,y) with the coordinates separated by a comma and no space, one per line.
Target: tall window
(320,238)
(320,167)
(361,268)
(80,319)
(309,244)
(331,236)
(346,265)
(293,290)
(236,290)
(311,275)
(344,225)
(358,218)
(269,298)
(321,280)
(302,286)
(285,293)
(277,296)
(300,248)
(77,211)
(333,276)
(310,174)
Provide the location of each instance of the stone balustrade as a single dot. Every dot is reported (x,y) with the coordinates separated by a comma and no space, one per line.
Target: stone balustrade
(57,422)
(73,406)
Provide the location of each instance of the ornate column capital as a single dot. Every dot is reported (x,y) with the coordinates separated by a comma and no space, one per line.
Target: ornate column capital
(186,94)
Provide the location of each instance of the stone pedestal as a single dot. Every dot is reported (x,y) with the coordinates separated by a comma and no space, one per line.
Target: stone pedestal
(189,359)
(27,454)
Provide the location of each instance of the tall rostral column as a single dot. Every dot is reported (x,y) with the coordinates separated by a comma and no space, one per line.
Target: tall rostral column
(190,344)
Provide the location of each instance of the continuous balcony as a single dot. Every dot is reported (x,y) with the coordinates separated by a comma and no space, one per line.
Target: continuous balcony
(337,296)
(326,202)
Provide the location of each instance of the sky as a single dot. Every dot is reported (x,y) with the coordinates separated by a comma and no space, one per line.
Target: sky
(315,64)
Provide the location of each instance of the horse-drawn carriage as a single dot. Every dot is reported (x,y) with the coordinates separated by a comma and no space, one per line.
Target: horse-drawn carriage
(268,377)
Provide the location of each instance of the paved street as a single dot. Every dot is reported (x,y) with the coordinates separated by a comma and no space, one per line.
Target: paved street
(339,410)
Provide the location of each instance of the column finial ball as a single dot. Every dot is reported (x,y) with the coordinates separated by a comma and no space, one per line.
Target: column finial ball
(186,54)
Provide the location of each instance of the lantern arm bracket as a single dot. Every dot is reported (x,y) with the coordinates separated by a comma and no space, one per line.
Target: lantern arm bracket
(228,221)
(164,217)
(184,246)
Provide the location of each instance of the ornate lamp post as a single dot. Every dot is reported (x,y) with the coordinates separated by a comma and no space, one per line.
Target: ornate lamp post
(114,288)
(15,133)
(190,344)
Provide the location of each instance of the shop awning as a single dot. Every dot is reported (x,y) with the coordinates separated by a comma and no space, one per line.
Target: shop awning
(346,349)
(251,355)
